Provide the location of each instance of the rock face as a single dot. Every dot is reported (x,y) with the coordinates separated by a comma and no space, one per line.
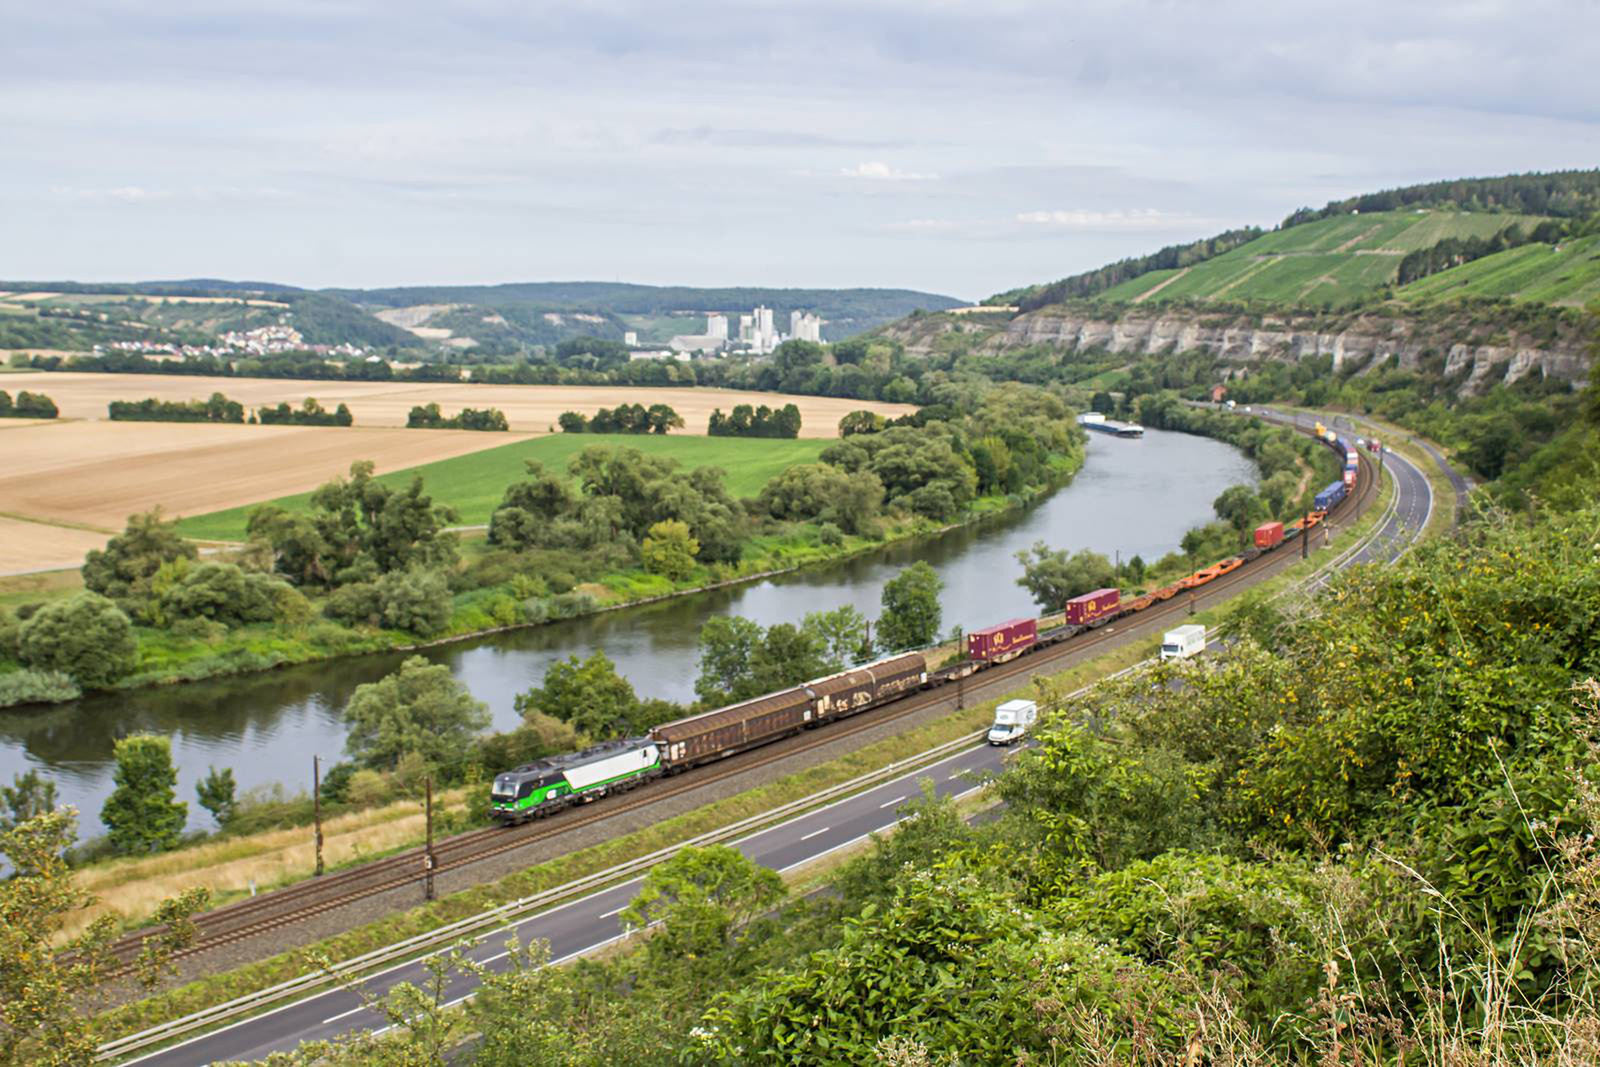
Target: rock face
(1488,352)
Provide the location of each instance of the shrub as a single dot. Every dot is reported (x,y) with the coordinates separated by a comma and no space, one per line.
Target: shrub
(87,637)
(225,593)
(830,535)
(37,687)
(357,604)
(366,788)
(416,600)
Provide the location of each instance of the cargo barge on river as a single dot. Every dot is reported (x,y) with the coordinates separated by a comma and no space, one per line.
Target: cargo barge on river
(1097,422)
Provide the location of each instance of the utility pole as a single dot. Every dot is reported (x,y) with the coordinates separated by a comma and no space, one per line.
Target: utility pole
(1191,601)
(316,806)
(427,854)
(1305,543)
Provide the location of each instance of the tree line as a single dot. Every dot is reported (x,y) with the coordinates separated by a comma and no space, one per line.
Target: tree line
(218,408)
(27,406)
(624,418)
(429,417)
(762,421)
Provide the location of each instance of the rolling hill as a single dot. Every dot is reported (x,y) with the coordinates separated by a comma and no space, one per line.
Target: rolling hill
(1565,274)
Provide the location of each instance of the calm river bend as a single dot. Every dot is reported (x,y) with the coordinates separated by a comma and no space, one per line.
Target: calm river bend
(1132,496)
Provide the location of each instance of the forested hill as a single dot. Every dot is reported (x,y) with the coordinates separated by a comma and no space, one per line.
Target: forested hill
(1366,249)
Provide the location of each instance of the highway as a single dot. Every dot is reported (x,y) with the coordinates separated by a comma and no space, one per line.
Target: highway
(591,922)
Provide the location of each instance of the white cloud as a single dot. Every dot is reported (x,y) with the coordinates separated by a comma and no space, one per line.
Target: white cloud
(878,171)
(1137,219)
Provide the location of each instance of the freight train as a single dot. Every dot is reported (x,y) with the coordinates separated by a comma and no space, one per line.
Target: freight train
(537,789)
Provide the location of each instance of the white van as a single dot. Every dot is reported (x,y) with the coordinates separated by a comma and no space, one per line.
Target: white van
(1012,720)
(1184,642)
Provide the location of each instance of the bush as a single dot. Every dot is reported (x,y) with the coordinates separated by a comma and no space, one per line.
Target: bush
(357,604)
(366,788)
(416,600)
(224,593)
(27,406)
(830,535)
(37,687)
(87,637)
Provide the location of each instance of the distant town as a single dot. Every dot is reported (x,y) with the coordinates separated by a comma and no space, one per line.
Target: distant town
(757,335)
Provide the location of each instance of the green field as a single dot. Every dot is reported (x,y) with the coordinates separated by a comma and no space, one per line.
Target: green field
(1567,274)
(1330,261)
(474,484)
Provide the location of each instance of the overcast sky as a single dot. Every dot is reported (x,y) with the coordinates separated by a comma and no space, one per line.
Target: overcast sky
(956,147)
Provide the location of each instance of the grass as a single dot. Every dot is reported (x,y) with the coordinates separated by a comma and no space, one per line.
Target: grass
(474,484)
(1327,262)
(1568,274)
(19,589)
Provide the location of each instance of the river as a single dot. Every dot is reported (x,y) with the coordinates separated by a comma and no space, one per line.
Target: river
(1131,497)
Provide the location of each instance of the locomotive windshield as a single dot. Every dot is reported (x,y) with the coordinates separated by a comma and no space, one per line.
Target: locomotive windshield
(505,788)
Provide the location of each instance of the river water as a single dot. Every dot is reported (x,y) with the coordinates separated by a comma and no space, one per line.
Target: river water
(1131,497)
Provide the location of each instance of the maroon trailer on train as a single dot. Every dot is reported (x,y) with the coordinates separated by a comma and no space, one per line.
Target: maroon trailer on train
(1003,641)
(1092,609)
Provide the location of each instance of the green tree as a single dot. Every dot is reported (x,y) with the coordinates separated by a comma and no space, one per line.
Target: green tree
(1241,508)
(588,694)
(727,643)
(123,569)
(86,636)
(669,550)
(419,708)
(702,898)
(843,633)
(662,418)
(45,980)
(143,814)
(27,797)
(787,655)
(1053,577)
(417,600)
(911,612)
(225,593)
(862,422)
(216,794)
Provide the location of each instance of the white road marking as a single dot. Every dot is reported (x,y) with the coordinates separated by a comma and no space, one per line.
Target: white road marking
(344,1014)
(954,776)
(613,911)
(891,803)
(814,833)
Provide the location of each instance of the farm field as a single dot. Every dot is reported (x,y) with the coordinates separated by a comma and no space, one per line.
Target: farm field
(530,408)
(474,484)
(96,474)
(1329,261)
(1568,274)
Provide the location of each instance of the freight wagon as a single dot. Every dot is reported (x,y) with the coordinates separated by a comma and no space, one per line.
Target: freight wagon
(1269,535)
(1330,496)
(725,731)
(1091,609)
(1002,642)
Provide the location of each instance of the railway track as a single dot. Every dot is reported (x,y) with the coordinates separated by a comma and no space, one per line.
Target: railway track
(314,896)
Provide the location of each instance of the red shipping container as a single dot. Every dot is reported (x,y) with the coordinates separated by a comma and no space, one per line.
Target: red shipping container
(1007,637)
(1350,479)
(1091,606)
(1269,535)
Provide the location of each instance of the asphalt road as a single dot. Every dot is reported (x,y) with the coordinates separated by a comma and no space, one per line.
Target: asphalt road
(591,922)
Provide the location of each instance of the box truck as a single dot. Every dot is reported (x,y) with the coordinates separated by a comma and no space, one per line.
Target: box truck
(1012,720)
(1184,642)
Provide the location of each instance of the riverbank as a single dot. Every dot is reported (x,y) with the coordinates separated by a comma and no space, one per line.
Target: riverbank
(166,658)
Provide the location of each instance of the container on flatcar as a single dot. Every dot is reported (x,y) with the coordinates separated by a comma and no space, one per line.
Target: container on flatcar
(1004,640)
(1269,535)
(1350,478)
(1330,496)
(1091,609)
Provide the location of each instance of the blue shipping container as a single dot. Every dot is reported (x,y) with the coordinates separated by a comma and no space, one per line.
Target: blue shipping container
(1330,496)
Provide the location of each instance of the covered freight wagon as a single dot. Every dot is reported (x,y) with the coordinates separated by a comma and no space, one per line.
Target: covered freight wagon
(852,690)
(1269,535)
(1092,608)
(1002,641)
(1330,496)
(738,726)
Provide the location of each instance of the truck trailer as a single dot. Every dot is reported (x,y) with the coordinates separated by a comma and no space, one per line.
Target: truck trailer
(1004,641)
(1092,609)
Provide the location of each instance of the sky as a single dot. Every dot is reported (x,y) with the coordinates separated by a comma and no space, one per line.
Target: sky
(954,147)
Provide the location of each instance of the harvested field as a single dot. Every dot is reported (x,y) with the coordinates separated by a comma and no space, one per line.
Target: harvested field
(27,546)
(531,408)
(98,473)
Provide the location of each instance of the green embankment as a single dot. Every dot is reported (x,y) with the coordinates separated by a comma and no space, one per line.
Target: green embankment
(1566,274)
(474,484)
(1330,261)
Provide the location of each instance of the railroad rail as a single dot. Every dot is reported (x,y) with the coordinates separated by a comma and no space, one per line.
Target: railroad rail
(314,896)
